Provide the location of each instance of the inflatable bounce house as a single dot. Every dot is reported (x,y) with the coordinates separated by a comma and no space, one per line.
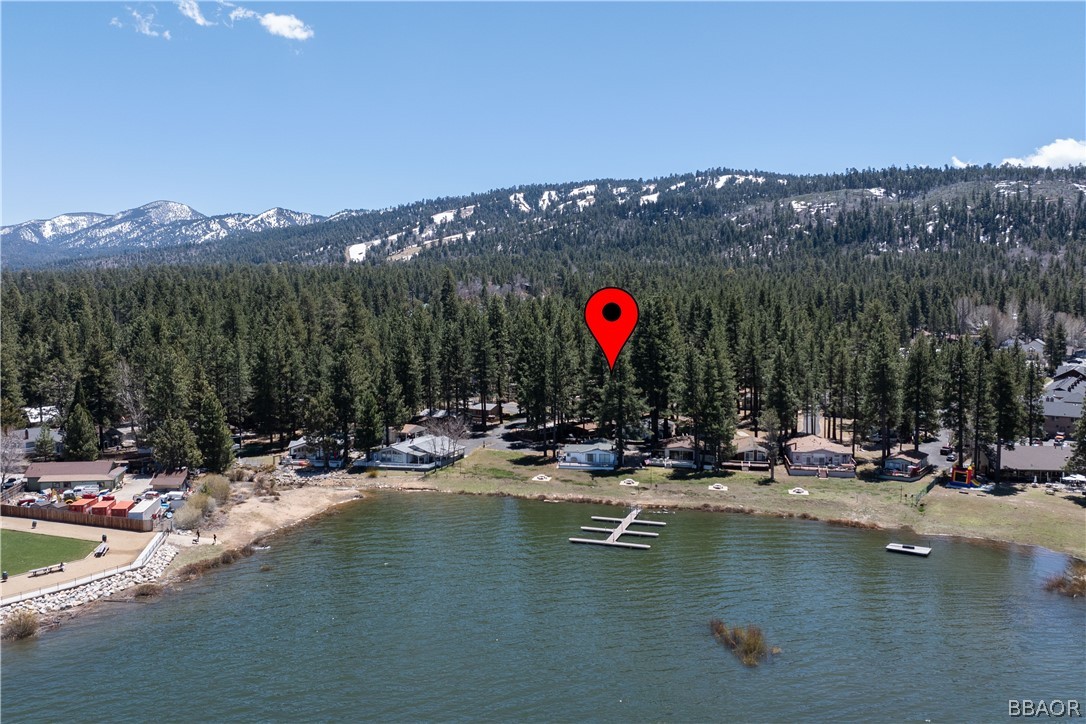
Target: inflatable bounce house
(962,478)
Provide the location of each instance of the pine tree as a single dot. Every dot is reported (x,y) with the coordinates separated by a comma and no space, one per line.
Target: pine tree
(622,406)
(959,372)
(882,382)
(45,446)
(772,441)
(80,437)
(175,445)
(654,355)
(781,396)
(1033,389)
(392,412)
(1006,396)
(719,410)
(920,391)
(498,325)
(213,437)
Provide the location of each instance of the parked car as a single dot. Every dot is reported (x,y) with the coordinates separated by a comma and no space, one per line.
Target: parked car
(946,449)
(952,457)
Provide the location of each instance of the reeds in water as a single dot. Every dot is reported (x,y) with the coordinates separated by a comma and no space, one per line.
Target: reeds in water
(1072,582)
(22,625)
(746,642)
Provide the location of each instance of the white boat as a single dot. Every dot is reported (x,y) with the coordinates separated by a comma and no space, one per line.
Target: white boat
(912,550)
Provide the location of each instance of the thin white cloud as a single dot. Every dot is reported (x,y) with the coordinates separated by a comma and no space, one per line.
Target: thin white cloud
(286,26)
(116,23)
(958,163)
(1061,153)
(145,25)
(191,10)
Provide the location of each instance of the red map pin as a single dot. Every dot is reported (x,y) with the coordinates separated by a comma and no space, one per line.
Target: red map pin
(611,315)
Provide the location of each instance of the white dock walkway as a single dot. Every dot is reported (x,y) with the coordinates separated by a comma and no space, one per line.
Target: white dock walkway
(619,531)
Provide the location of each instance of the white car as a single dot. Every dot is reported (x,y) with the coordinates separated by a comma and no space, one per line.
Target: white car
(952,457)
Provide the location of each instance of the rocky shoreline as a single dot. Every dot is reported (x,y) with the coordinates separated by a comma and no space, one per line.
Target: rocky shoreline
(54,603)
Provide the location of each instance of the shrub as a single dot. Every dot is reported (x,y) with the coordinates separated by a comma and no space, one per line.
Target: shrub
(1072,582)
(228,557)
(371,473)
(265,568)
(217,487)
(747,643)
(147,590)
(22,625)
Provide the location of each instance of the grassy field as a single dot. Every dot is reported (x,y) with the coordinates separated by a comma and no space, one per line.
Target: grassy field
(21,552)
(1031,517)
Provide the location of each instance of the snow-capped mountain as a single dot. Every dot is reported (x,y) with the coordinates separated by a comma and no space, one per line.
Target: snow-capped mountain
(153,225)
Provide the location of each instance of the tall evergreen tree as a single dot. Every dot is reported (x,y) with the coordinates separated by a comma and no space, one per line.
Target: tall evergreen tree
(921,391)
(80,437)
(622,407)
(175,445)
(654,354)
(213,437)
(1006,395)
(959,373)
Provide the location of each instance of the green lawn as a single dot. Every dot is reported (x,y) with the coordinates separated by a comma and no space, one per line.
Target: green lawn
(20,552)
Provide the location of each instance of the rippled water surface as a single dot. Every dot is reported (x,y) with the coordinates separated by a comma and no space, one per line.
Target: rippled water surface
(443,607)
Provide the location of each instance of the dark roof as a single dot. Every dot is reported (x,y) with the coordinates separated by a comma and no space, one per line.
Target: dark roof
(1062,408)
(1038,458)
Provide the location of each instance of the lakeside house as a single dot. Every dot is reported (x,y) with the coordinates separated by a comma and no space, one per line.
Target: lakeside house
(106,474)
(593,455)
(749,453)
(906,466)
(1031,463)
(678,452)
(424,452)
(303,451)
(814,455)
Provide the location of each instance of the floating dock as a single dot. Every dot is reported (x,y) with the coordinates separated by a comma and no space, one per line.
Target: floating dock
(620,530)
(911,550)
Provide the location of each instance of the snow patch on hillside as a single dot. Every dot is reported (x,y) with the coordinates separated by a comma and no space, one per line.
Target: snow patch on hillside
(650,198)
(518,201)
(583,190)
(549,197)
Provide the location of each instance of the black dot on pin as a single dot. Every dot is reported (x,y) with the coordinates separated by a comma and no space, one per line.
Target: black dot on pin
(611,312)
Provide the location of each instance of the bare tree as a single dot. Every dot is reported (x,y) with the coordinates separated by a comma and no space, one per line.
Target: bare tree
(132,397)
(963,310)
(449,431)
(12,452)
(1074,327)
(1003,326)
(1035,321)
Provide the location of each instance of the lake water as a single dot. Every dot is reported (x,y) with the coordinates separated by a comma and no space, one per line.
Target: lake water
(429,606)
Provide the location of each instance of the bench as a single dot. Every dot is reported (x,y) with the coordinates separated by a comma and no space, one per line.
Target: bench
(59,567)
(101,550)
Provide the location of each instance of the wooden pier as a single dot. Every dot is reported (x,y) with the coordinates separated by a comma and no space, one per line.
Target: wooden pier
(620,530)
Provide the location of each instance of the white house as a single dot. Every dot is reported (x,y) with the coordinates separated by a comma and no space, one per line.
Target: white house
(594,455)
(424,452)
(814,455)
(315,454)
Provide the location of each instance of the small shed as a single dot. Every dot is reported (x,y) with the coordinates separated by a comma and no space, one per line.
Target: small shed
(121,508)
(102,507)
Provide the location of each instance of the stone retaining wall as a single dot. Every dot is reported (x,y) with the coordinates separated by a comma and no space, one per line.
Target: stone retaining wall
(63,600)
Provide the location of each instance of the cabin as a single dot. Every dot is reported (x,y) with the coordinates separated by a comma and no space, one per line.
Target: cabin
(593,455)
(122,437)
(482,414)
(749,453)
(30,437)
(165,482)
(106,474)
(408,432)
(906,466)
(1031,463)
(814,455)
(314,454)
(679,452)
(424,452)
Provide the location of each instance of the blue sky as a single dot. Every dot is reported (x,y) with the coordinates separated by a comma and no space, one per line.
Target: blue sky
(323,106)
